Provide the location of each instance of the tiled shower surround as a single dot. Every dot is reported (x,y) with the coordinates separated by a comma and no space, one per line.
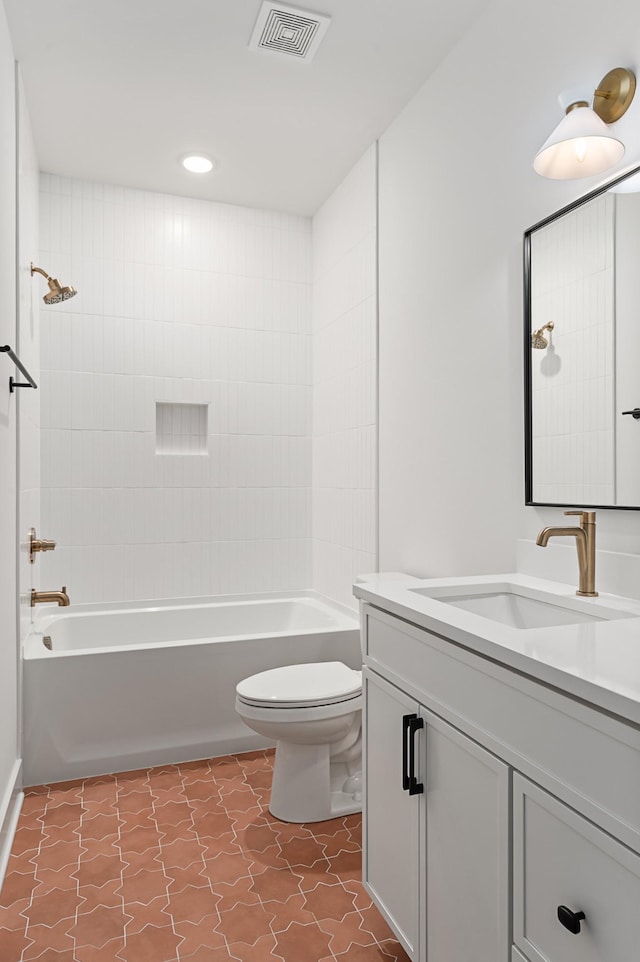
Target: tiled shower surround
(184,864)
(188,302)
(180,301)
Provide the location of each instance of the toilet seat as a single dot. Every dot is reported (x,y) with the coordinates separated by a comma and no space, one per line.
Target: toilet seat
(301,686)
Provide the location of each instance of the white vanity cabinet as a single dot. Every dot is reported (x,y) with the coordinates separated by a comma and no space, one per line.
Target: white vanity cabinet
(490,801)
(435,831)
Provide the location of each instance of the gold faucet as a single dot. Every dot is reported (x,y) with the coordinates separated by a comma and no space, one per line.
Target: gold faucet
(42,597)
(585,535)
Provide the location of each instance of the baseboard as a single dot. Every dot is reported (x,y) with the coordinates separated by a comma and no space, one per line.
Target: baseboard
(10,806)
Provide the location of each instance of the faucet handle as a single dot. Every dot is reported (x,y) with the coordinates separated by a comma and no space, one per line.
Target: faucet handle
(586,517)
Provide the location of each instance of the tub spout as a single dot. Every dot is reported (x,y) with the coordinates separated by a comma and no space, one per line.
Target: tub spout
(42,597)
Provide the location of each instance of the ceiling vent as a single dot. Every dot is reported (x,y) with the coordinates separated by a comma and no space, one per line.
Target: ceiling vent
(288,31)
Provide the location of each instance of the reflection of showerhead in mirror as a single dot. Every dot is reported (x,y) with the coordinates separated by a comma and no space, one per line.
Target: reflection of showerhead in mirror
(56,292)
(538,340)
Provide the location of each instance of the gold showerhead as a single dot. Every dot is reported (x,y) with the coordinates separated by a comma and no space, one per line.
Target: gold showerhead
(56,292)
(538,340)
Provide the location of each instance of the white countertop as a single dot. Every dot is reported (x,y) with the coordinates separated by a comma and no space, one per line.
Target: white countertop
(598,661)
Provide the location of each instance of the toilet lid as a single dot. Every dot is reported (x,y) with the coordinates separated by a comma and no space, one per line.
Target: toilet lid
(321,683)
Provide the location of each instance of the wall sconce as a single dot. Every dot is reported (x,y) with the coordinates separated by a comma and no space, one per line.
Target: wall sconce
(581,145)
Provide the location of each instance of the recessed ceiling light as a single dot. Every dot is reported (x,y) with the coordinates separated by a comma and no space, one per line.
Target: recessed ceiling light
(197,164)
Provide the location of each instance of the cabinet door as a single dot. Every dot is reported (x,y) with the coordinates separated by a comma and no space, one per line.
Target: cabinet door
(576,889)
(392,864)
(467,818)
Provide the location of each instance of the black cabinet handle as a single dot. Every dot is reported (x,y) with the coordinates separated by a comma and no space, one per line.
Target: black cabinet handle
(415,787)
(570,920)
(406,726)
(635,414)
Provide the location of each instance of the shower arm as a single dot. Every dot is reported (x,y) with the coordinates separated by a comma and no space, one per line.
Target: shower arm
(40,271)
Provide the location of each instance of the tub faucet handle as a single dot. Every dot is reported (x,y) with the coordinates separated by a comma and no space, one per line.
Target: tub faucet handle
(38,544)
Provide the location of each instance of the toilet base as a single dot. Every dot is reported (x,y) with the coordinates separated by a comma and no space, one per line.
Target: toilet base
(309,787)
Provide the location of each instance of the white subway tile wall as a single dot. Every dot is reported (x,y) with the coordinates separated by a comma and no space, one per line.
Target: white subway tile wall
(573,379)
(187,303)
(344,383)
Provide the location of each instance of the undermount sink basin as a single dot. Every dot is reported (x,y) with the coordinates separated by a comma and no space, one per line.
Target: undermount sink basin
(520,607)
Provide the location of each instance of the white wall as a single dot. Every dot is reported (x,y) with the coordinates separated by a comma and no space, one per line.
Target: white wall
(344,383)
(9,737)
(179,301)
(457,190)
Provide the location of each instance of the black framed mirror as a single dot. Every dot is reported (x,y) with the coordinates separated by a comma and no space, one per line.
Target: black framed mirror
(582,351)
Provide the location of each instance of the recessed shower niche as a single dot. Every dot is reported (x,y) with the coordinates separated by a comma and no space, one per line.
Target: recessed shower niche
(181,428)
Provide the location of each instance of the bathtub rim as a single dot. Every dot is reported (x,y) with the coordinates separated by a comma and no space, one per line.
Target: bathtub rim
(34,650)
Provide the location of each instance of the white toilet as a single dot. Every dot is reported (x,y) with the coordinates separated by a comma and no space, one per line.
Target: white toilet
(313,713)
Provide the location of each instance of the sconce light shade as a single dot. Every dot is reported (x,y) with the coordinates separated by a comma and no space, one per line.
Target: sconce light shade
(580,146)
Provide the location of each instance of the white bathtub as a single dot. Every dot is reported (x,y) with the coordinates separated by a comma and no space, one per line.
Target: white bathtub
(129,687)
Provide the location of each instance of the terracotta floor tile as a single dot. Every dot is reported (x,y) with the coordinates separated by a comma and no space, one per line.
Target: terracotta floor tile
(135,775)
(28,839)
(99,826)
(257,837)
(232,893)
(12,943)
(271,857)
(302,942)
(101,925)
(53,907)
(373,922)
(393,952)
(198,935)
(134,861)
(204,954)
(107,953)
(53,937)
(245,923)
(242,820)
(302,851)
(203,790)
(363,953)
(226,866)
(23,863)
(310,877)
(60,833)
(190,864)
(276,884)
(13,917)
(171,813)
(95,895)
(346,865)
(67,813)
(260,951)
(52,878)
(193,904)
(153,944)
(329,902)
(156,912)
(17,885)
(100,869)
(194,875)
(139,840)
(346,931)
(341,841)
(144,886)
(134,801)
(293,910)
(59,855)
(181,852)
(50,955)
(213,825)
